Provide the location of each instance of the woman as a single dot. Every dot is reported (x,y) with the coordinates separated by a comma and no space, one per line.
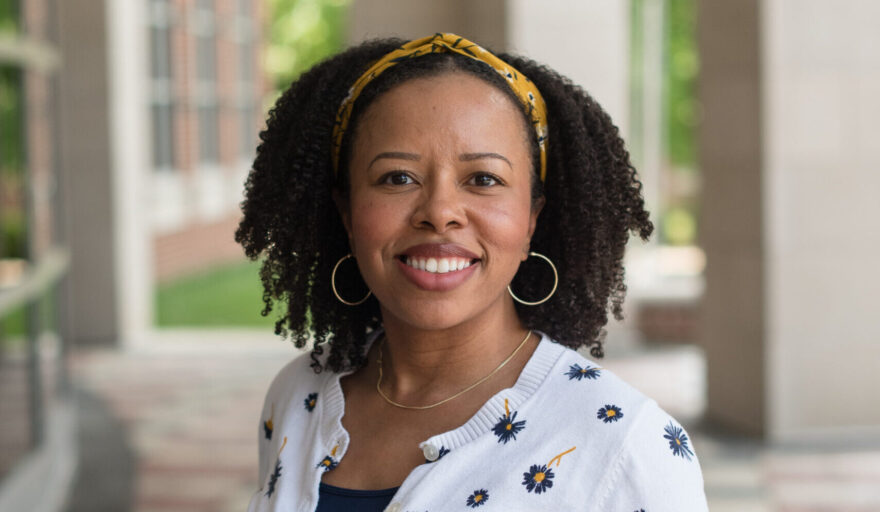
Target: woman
(445,226)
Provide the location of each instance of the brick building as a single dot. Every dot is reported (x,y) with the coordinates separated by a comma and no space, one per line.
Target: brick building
(126,132)
(205,90)
(171,92)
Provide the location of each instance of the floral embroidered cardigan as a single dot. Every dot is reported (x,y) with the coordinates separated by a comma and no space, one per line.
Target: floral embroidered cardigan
(569,435)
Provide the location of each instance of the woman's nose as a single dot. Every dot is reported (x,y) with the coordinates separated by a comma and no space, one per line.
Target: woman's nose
(440,208)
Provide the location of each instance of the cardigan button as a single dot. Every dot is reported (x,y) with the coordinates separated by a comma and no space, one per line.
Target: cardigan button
(431,452)
(394,507)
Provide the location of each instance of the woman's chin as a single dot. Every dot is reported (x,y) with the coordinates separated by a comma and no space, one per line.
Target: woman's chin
(431,315)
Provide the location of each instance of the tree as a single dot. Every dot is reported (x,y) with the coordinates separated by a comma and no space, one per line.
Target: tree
(301,33)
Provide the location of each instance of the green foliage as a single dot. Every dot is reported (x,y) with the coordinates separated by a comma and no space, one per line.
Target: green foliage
(12,220)
(681,113)
(12,234)
(12,328)
(679,219)
(226,296)
(680,78)
(301,33)
(11,103)
(9,16)
(679,226)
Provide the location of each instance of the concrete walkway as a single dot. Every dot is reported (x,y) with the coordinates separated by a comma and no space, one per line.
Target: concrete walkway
(188,406)
(173,427)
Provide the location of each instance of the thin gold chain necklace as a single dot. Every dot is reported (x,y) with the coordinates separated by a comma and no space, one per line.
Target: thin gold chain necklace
(463,391)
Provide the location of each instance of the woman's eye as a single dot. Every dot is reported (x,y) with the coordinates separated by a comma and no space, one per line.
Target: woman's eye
(484,180)
(397,178)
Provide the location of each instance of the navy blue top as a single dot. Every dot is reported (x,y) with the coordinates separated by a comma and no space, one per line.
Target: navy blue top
(338,499)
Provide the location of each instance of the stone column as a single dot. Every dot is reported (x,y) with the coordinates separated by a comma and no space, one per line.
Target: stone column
(102,147)
(85,162)
(482,21)
(791,199)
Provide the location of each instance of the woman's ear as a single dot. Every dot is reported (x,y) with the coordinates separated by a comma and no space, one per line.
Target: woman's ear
(533,218)
(533,222)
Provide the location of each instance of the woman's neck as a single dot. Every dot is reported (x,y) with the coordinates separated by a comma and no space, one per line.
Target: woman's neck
(421,366)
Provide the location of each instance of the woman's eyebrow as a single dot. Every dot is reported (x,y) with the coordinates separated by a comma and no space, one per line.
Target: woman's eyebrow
(399,155)
(467,157)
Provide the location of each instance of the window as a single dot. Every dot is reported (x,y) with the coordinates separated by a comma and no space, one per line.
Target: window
(162,94)
(204,29)
(247,100)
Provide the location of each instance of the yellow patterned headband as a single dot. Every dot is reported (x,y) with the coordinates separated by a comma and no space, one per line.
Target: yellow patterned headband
(525,90)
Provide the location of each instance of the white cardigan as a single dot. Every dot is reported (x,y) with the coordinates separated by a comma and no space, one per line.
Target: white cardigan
(568,435)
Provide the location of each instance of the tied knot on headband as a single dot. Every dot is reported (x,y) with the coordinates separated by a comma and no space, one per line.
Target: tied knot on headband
(525,90)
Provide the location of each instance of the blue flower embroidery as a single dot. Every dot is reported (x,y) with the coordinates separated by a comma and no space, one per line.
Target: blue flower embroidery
(478,498)
(328,463)
(310,401)
(538,479)
(609,413)
(507,427)
(273,479)
(678,441)
(575,372)
(268,427)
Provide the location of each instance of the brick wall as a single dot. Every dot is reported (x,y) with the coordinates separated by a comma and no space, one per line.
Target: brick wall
(197,248)
(204,240)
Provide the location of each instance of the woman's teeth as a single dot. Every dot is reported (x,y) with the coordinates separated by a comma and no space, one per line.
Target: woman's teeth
(438,265)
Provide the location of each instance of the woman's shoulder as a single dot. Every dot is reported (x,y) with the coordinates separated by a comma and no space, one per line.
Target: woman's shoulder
(614,421)
(609,407)
(297,374)
(585,380)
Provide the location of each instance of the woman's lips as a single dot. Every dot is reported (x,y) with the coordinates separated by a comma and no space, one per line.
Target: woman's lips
(439,250)
(437,266)
(437,281)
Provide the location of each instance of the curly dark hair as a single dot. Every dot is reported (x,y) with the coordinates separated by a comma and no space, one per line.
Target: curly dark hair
(593,202)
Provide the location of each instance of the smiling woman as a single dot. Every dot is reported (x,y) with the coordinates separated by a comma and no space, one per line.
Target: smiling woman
(399,189)
(443,200)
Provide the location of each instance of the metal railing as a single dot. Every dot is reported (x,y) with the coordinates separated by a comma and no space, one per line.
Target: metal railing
(43,278)
(40,436)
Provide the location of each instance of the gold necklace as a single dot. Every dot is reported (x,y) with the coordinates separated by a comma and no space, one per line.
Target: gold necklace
(465,390)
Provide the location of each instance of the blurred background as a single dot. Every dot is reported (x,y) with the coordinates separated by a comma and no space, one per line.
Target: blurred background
(133,356)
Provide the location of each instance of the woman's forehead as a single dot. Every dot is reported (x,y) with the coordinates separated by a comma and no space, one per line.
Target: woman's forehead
(450,108)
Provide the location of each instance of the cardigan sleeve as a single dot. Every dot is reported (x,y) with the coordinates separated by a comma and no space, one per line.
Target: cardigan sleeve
(658,470)
(271,417)
(265,425)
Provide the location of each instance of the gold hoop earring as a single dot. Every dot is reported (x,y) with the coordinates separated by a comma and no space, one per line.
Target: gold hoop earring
(333,284)
(555,283)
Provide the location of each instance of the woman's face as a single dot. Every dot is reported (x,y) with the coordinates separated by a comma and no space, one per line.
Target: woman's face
(440,212)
